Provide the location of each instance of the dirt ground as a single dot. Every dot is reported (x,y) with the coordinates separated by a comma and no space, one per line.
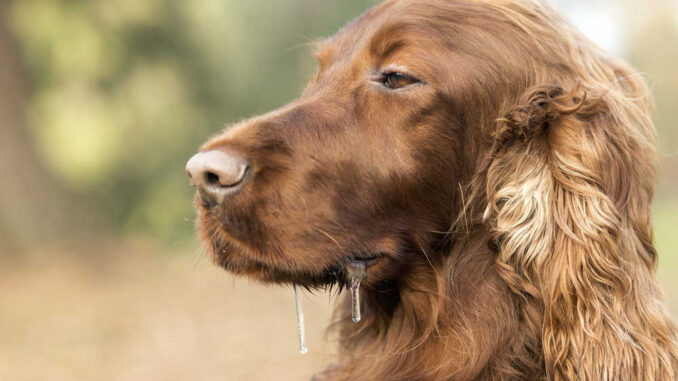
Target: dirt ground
(145,314)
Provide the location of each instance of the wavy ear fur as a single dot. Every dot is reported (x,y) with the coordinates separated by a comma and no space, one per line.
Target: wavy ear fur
(568,189)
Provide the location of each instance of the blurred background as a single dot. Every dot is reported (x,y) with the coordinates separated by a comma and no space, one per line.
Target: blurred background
(101,104)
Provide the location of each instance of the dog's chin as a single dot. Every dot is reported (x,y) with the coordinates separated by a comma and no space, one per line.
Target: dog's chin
(236,259)
(330,276)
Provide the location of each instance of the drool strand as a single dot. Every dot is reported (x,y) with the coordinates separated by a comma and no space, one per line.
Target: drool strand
(356,274)
(300,321)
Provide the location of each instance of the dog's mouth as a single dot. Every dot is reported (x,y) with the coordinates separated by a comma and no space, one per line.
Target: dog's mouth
(237,257)
(336,275)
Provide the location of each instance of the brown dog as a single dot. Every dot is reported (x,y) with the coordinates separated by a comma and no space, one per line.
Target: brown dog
(491,167)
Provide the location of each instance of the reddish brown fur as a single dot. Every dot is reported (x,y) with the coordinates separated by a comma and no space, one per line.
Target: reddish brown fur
(508,193)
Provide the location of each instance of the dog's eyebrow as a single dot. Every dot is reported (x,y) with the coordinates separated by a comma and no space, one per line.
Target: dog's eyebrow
(388,40)
(386,50)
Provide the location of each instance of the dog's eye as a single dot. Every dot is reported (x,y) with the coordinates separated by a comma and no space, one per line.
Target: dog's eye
(397,80)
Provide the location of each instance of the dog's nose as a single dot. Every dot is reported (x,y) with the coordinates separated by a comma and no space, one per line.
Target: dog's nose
(216,174)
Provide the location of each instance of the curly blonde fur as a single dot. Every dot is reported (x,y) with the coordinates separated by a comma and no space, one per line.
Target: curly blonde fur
(568,191)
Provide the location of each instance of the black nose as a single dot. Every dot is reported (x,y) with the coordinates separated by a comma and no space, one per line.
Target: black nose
(216,174)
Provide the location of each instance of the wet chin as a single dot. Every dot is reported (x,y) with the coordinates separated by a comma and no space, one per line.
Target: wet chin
(272,274)
(235,259)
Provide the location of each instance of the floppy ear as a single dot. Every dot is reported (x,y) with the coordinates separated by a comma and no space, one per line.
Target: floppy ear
(568,190)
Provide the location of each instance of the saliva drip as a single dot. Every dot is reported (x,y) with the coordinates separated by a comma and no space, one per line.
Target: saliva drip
(356,274)
(300,321)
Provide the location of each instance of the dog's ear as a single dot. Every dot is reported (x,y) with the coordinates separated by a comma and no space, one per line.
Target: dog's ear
(568,192)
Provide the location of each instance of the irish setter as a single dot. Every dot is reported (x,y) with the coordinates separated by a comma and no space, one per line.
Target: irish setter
(491,167)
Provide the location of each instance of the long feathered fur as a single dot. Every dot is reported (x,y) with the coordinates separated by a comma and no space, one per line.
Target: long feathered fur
(563,198)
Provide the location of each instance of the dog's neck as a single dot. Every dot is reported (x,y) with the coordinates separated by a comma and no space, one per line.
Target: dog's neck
(451,308)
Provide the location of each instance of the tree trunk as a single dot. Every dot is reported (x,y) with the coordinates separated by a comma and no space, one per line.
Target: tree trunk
(35,209)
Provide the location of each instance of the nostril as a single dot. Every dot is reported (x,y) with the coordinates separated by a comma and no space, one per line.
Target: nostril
(225,178)
(216,173)
(212,178)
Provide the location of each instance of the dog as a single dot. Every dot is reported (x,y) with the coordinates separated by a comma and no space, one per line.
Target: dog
(492,170)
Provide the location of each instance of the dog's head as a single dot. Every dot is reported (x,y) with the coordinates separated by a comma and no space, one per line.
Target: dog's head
(397,135)
(373,160)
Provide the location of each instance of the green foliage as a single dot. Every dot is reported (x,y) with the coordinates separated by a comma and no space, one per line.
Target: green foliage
(126,90)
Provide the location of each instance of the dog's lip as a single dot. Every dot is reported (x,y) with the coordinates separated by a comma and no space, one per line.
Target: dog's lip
(367,257)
